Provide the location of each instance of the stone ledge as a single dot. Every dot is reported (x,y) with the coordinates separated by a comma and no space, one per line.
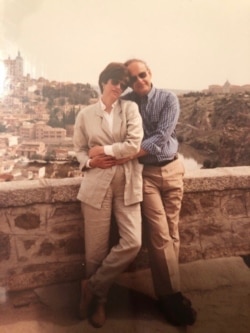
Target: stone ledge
(217,179)
(23,193)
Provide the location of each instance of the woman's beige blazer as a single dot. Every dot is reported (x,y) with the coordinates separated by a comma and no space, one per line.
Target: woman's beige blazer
(91,129)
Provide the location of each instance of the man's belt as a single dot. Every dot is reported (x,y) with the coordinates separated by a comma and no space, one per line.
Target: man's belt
(163,163)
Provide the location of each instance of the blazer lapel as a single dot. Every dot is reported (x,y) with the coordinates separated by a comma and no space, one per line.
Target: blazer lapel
(104,124)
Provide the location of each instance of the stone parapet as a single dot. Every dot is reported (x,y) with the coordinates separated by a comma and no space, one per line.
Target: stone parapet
(41,228)
(215,215)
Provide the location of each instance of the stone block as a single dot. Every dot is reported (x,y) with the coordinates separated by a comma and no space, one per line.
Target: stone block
(189,207)
(32,248)
(70,227)
(216,238)
(27,220)
(190,248)
(247,198)
(241,243)
(233,205)
(64,212)
(4,223)
(4,247)
(71,245)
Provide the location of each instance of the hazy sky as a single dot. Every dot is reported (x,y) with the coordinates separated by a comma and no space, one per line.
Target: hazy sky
(189,44)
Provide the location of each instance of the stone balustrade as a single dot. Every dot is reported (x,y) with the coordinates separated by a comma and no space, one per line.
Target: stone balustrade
(41,228)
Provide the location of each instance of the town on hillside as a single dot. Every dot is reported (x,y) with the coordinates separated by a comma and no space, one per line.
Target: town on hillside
(36,123)
(37,119)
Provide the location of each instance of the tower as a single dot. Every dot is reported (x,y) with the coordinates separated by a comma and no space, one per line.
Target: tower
(19,65)
(226,87)
(14,66)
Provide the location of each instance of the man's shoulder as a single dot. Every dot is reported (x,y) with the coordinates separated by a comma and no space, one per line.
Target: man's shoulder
(155,93)
(165,92)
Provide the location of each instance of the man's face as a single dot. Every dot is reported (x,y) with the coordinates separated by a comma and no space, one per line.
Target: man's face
(140,78)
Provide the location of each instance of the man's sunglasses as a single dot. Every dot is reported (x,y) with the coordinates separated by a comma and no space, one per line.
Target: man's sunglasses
(141,75)
(123,85)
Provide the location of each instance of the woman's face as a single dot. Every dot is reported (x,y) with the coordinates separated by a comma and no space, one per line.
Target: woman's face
(114,88)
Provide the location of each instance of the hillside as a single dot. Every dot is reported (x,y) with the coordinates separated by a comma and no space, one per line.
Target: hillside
(217,125)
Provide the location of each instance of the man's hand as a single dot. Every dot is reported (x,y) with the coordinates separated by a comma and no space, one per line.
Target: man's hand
(123,160)
(126,159)
(142,152)
(96,150)
(102,161)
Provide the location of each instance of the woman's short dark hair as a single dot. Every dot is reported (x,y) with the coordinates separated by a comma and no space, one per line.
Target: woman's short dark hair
(116,71)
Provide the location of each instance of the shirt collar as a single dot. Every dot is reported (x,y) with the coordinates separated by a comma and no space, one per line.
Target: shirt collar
(151,93)
(103,106)
(146,97)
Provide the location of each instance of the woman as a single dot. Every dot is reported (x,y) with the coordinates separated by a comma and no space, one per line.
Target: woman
(108,131)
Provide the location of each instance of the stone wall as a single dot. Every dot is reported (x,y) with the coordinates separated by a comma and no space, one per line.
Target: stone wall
(41,229)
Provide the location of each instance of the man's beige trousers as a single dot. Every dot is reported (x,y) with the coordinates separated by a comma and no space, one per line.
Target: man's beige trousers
(162,196)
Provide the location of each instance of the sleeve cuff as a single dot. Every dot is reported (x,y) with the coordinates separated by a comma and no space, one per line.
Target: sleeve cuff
(87,164)
(108,150)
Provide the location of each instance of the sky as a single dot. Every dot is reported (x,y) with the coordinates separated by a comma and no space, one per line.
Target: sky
(188,44)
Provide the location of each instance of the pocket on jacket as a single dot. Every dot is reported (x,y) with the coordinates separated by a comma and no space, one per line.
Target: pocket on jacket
(92,191)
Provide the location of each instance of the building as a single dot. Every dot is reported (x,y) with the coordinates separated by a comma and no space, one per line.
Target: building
(8,140)
(228,88)
(49,134)
(31,149)
(61,154)
(42,132)
(14,67)
(6,166)
(27,131)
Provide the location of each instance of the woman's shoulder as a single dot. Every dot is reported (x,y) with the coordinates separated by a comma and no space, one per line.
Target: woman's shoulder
(127,103)
(89,108)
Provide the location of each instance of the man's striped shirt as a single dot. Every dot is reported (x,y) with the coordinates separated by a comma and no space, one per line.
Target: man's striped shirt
(160,111)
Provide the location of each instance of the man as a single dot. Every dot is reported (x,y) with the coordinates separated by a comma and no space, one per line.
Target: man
(162,189)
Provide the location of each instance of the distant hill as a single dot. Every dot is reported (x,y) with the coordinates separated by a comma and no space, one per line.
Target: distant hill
(179,91)
(217,124)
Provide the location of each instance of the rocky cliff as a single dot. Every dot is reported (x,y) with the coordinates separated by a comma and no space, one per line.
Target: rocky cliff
(217,126)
